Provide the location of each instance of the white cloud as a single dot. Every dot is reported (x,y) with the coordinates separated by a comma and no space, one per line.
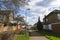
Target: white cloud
(32,20)
(55,3)
(32,2)
(41,10)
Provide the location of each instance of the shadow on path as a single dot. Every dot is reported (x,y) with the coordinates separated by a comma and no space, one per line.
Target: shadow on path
(35,34)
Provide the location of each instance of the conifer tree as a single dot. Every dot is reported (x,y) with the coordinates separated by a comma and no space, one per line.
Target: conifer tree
(39,24)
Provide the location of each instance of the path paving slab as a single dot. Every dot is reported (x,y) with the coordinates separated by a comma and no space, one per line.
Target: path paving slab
(37,36)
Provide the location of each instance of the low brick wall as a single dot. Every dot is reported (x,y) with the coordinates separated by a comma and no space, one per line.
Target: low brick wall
(9,28)
(6,28)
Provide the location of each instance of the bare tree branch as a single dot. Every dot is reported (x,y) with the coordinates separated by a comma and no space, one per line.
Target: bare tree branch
(13,4)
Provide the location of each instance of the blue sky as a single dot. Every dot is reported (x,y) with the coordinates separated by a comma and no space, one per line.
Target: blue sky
(40,8)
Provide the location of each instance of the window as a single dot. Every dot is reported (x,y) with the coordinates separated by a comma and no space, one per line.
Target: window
(44,26)
(58,16)
(50,27)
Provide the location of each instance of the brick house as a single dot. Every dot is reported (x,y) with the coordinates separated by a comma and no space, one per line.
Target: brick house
(52,21)
(6,16)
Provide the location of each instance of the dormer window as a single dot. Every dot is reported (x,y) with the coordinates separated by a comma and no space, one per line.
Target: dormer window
(58,16)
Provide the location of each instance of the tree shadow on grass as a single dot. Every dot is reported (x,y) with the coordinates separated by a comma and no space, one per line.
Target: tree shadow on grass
(49,33)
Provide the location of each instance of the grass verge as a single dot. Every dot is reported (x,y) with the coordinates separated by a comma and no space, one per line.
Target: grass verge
(50,35)
(23,37)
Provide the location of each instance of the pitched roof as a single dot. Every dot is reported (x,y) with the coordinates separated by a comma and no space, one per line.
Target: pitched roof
(55,11)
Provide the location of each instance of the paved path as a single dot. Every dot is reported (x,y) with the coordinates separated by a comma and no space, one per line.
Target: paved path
(37,36)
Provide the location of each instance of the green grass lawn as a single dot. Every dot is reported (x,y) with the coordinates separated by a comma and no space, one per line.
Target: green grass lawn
(51,35)
(23,37)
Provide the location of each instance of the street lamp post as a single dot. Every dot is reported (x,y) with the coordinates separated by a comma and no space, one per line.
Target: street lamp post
(27,10)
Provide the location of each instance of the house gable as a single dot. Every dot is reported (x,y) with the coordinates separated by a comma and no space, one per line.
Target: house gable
(52,17)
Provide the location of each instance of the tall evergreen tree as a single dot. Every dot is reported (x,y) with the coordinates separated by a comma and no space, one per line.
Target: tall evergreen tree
(39,24)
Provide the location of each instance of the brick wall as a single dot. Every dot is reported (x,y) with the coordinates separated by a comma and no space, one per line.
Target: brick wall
(56,28)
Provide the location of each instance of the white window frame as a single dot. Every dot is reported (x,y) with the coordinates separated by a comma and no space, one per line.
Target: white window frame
(58,16)
(50,27)
(44,26)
